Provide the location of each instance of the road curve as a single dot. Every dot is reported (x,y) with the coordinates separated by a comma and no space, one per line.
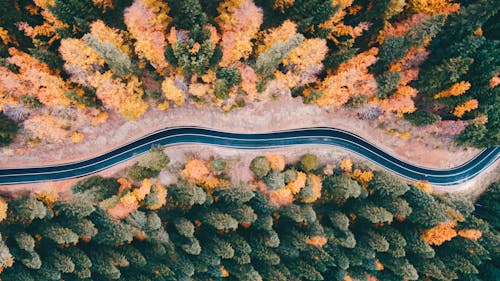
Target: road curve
(198,135)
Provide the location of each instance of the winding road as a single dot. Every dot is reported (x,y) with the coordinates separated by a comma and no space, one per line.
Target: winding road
(198,135)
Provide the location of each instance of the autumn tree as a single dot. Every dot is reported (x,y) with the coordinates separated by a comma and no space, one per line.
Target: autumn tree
(147,23)
(239,21)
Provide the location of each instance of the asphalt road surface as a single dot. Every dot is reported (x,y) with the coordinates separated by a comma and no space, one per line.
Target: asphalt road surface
(197,135)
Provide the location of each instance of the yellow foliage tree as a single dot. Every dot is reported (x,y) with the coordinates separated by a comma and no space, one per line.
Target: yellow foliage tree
(456,89)
(172,92)
(467,106)
(141,192)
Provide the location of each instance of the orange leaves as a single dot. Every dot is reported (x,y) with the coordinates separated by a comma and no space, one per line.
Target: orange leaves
(34,78)
(103,4)
(111,35)
(240,21)
(147,22)
(161,196)
(467,106)
(408,66)
(317,241)
(308,55)
(282,4)
(126,96)
(363,177)
(129,202)
(4,36)
(456,89)
(296,185)
(84,63)
(401,101)
(316,186)
(495,80)
(49,27)
(47,127)
(346,165)
(338,28)
(100,118)
(79,58)
(432,7)
(276,35)
(424,186)
(277,161)
(471,234)
(442,232)
(248,80)
(77,137)
(351,79)
(195,171)
(380,266)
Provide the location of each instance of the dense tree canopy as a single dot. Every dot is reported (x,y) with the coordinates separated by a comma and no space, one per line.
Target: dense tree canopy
(301,222)
(427,61)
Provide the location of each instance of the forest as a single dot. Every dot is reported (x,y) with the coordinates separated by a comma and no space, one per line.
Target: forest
(66,65)
(294,221)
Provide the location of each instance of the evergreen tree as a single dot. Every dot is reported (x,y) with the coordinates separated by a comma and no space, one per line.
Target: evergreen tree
(8,130)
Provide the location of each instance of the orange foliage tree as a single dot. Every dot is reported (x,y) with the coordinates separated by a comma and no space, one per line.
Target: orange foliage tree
(304,62)
(47,29)
(467,106)
(47,127)
(432,7)
(276,35)
(240,21)
(339,29)
(34,78)
(401,101)
(83,64)
(147,22)
(351,79)
(456,89)
(442,232)
(471,234)
(111,35)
